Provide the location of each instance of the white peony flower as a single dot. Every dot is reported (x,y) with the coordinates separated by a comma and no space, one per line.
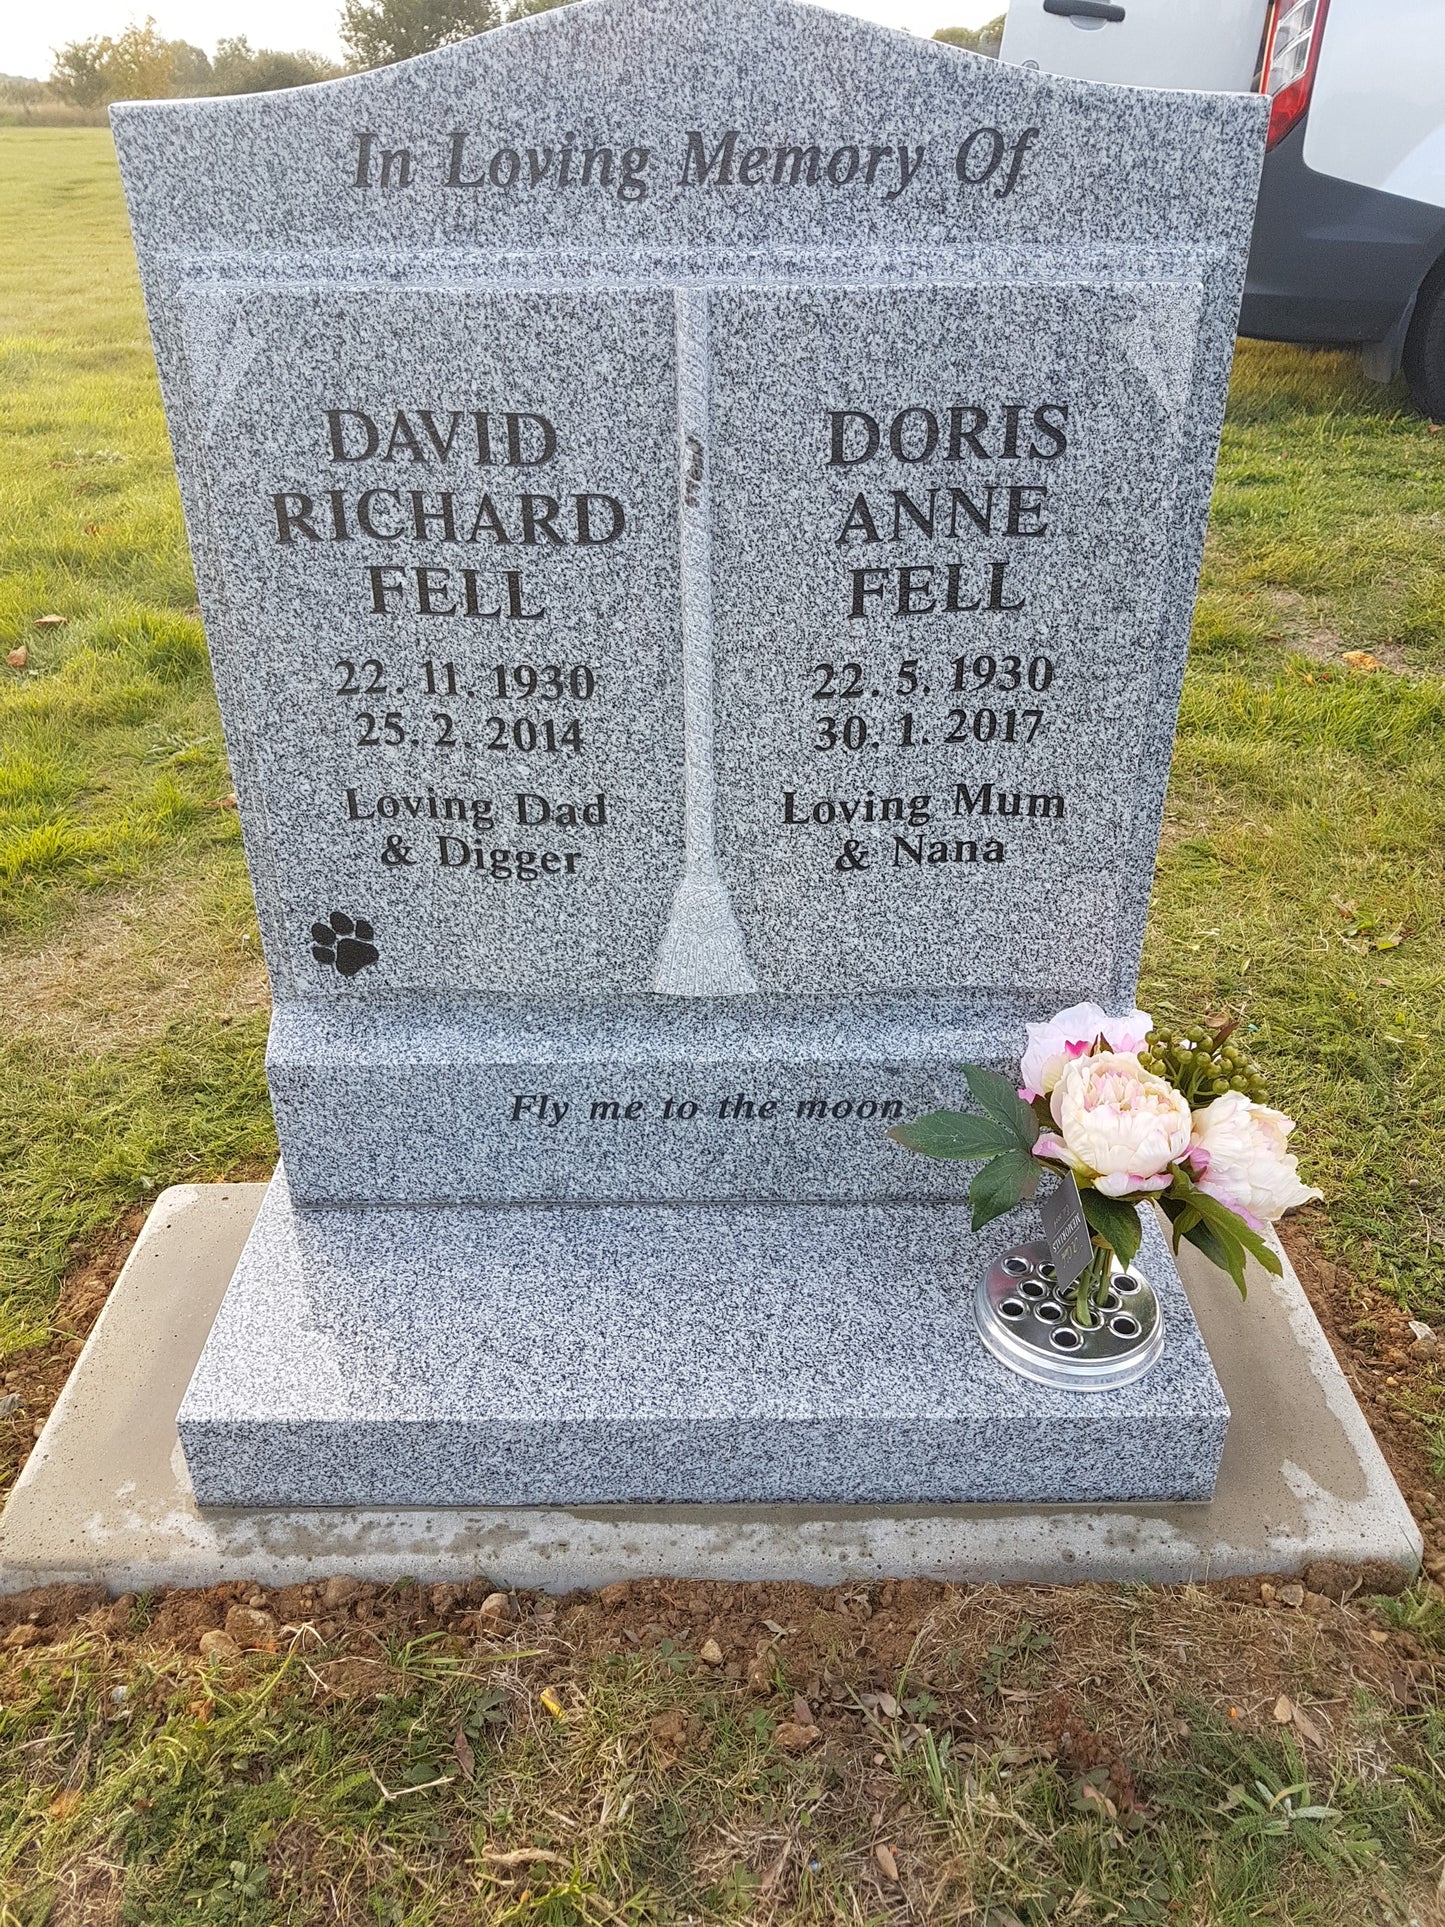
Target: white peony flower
(1073,1033)
(1119,1126)
(1239,1154)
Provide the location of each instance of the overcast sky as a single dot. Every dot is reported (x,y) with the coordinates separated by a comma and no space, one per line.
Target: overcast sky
(28,33)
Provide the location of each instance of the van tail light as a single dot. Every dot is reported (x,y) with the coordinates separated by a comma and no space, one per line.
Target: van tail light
(1289,54)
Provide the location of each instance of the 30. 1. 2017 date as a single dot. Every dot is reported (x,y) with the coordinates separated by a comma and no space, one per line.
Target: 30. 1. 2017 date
(908,732)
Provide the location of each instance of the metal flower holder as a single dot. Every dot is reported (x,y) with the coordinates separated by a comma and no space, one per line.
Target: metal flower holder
(1027,1320)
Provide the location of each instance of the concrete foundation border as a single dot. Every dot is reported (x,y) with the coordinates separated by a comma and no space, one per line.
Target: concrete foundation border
(105,1497)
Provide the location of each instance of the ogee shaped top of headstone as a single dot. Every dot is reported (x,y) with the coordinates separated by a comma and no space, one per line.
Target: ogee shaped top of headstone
(697,501)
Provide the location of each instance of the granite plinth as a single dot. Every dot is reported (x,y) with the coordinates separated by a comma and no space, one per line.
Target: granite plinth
(666,1100)
(682,1354)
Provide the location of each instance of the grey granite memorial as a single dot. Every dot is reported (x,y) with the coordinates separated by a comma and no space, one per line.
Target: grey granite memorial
(696,510)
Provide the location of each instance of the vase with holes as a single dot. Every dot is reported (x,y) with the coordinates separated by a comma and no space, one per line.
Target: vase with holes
(1103,1331)
(1123,1113)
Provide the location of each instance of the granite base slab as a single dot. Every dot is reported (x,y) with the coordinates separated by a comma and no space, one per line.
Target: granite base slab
(105,1497)
(660,1354)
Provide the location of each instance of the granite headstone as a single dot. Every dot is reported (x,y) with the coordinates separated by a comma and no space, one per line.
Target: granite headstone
(696,512)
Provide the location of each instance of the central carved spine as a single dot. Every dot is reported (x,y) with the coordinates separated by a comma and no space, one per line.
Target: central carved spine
(702,953)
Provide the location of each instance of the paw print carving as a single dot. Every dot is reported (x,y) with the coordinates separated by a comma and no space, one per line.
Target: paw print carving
(343,943)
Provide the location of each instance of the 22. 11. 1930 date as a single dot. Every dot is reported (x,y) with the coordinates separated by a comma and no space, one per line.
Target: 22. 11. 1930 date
(515,683)
(547,682)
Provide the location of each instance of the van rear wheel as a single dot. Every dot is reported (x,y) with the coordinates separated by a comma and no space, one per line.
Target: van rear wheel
(1424,356)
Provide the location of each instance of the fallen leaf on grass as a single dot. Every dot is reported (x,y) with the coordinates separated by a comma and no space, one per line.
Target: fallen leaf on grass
(887,1864)
(64,1803)
(669,1733)
(793,1737)
(1283,1711)
(1307,1729)
(1402,1691)
(552,1701)
(1019,1755)
(466,1759)
(51,622)
(775,1873)
(1362,660)
(1091,1795)
(18,658)
(519,1857)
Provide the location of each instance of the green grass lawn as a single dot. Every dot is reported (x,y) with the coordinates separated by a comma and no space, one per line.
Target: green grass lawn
(1299,884)
(131,1052)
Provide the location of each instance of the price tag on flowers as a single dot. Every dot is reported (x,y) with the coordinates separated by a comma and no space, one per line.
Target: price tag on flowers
(1071,1244)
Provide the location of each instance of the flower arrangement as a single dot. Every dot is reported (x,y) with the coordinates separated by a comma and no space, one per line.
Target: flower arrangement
(1134,1113)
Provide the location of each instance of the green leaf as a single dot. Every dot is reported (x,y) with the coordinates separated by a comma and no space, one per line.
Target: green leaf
(1189,1225)
(1116,1223)
(953,1134)
(1001,1184)
(1182,1216)
(1229,1226)
(1225,1252)
(998,1097)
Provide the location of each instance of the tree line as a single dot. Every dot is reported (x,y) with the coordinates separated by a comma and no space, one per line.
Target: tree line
(141,64)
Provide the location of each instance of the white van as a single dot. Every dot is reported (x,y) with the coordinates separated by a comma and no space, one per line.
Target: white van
(1349,238)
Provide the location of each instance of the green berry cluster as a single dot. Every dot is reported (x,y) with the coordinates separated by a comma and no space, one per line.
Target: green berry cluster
(1203,1064)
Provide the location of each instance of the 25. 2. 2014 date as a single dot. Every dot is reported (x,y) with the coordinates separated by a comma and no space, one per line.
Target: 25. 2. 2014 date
(548,735)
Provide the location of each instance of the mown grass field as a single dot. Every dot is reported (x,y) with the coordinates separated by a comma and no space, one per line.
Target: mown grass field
(1300,884)
(134,1019)
(666,1753)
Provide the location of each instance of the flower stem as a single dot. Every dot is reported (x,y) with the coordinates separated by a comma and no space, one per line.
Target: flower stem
(1093,1282)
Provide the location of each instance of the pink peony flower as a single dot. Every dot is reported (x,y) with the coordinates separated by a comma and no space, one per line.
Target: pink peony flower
(1073,1033)
(1239,1154)
(1119,1126)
